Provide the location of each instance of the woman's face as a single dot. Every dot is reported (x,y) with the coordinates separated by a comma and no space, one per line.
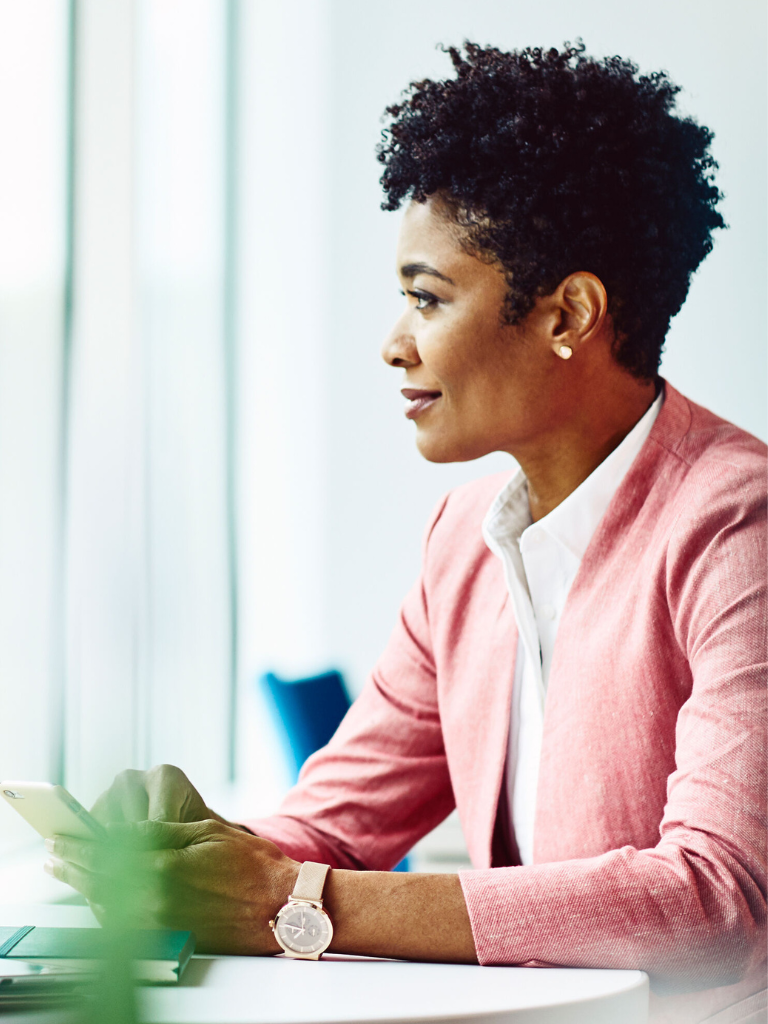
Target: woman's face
(472,384)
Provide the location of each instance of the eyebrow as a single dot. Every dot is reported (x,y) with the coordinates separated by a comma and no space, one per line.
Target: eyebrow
(412,269)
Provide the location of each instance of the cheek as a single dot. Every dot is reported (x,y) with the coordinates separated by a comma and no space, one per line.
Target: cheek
(450,356)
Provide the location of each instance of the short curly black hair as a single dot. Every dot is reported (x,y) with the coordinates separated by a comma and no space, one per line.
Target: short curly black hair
(556,162)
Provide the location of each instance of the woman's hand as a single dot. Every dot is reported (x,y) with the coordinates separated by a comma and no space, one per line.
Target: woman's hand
(206,877)
(164,793)
(226,885)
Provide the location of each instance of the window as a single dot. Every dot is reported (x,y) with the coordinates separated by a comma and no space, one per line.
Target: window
(117,555)
(34,45)
(150,594)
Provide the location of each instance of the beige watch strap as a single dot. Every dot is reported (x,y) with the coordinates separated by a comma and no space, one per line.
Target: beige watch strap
(309,884)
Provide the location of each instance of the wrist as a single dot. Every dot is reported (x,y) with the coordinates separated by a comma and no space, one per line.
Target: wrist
(302,927)
(283,882)
(268,879)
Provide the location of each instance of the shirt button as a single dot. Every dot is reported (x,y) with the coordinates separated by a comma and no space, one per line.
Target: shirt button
(546,611)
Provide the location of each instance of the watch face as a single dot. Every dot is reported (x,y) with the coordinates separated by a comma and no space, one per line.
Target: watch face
(303,928)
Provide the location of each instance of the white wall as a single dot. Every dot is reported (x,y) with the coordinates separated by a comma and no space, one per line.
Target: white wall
(377,489)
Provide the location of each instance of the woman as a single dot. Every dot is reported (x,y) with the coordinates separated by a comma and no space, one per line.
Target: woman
(580,668)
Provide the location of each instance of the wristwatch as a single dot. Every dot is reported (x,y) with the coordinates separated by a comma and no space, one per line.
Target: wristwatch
(302,927)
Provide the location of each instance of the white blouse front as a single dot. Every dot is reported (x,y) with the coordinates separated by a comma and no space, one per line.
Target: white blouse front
(540,563)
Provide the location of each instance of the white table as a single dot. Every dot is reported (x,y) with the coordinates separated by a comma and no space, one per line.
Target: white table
(351,990)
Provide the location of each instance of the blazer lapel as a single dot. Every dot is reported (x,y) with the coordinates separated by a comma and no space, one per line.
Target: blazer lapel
(478,722)
(585,648)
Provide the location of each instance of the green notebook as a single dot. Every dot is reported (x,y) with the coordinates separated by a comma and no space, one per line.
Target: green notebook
(160,955)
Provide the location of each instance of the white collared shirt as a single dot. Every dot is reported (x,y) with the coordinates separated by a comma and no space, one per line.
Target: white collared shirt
(540,563)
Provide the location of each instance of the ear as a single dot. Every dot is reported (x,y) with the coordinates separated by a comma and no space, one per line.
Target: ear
(582,302)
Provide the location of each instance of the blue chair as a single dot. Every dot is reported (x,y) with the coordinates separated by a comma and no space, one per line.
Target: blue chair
(307,713)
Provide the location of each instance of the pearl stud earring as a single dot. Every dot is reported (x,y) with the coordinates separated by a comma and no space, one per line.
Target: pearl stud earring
(565,352)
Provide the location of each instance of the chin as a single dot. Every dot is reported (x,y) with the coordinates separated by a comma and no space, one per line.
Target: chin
(444,449)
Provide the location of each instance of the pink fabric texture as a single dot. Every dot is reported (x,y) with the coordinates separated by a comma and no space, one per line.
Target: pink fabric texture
(650,834)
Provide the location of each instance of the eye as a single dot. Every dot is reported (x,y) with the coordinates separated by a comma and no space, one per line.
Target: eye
(424,300)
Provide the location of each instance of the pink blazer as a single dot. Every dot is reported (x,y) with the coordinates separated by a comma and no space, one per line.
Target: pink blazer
(650,825)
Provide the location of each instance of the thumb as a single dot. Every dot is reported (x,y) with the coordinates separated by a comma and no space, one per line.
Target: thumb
(156,835)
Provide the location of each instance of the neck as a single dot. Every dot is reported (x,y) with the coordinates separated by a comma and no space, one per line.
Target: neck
(559,462)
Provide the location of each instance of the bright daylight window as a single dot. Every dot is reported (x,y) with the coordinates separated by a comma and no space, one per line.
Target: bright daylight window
(33,342)
(117,571)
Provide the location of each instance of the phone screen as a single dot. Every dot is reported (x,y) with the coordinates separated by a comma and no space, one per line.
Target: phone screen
(51,810)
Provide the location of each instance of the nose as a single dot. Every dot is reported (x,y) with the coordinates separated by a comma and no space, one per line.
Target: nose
(399,348)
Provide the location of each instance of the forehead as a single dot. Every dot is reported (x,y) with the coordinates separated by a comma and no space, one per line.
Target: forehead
(429,235)
(426,228)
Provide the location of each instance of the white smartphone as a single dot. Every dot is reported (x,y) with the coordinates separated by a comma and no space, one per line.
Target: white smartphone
(51,810)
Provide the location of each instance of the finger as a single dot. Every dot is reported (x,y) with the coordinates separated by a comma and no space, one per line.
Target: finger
(132,793)
(86,883)
(81,852)
(118,870)
(125,800)
(172,797)
(107,808)
(129,899)
(161,835)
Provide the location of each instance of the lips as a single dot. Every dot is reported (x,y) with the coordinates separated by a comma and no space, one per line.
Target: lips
(416,401)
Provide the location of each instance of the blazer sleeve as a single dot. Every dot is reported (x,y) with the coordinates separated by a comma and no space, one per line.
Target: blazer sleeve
(382,781)
(693,906)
